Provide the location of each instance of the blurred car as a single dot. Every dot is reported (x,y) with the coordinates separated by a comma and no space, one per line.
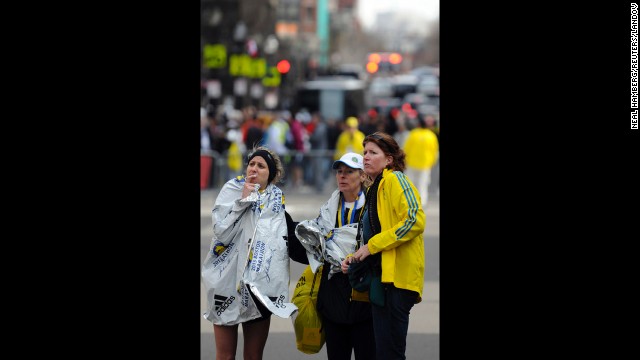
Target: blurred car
(416,99)
(429,85)
(423,71)
(431,105)
(379,87)
(334,97)
(404,84)
(384,106)
(355,71)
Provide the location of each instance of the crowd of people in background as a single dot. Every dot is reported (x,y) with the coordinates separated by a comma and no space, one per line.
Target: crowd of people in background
(306,142)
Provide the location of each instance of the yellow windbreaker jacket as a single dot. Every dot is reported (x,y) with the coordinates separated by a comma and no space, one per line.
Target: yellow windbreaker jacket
(421,148)
(400,240)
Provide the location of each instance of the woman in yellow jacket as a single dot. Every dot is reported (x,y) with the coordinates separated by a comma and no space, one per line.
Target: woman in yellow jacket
(392,228)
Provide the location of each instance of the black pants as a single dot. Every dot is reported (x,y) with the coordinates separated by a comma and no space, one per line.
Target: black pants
(342,338)
(391,322)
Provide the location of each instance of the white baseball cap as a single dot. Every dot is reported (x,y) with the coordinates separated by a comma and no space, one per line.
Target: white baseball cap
(352,160)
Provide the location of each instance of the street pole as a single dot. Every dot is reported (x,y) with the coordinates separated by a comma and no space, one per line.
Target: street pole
(323,31)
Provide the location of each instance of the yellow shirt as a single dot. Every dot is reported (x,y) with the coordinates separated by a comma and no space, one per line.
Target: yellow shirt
(402,222)
(349,142)
(421,148)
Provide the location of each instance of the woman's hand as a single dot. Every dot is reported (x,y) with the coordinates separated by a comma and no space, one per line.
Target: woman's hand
(344,266)
(249,187)
(362,253)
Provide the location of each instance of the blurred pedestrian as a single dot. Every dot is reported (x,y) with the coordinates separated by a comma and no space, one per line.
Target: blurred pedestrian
(236,149)
(422,152)
(350,139)
(334,128)
(434,177)
(252,130)
(206,139)
(392,227)
(276,135)
(319,144)
(402,132)
(207,171)
(297,133)
(246,271)
(432,124)
(370,123)
(346,314)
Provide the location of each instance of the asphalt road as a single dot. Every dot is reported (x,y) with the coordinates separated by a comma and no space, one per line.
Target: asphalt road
(423,341)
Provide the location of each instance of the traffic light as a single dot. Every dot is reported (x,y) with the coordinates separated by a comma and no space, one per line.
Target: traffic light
(383,62)
(372,67)
(283,66)
(395,58)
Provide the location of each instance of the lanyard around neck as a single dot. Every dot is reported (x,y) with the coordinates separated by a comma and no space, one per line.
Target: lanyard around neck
(343,212)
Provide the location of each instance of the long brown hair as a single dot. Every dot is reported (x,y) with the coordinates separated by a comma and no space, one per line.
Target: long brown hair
(390,148)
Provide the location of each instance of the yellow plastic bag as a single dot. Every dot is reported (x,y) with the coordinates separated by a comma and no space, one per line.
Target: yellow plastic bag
(307,323)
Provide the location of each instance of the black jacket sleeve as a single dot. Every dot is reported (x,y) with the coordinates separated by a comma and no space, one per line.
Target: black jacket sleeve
(297,252)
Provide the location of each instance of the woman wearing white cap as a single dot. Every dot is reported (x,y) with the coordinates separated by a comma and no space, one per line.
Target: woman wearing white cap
(346,314)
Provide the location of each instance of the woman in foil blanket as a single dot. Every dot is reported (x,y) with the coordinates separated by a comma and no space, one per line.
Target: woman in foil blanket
(246,272)
(329,239)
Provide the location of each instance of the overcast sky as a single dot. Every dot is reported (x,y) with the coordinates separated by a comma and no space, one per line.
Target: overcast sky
(367,9)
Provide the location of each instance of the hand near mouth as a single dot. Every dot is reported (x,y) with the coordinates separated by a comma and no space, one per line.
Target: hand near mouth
(249,186)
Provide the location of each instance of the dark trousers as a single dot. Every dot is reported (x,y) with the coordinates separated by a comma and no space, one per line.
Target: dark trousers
(391,322)
(342,338)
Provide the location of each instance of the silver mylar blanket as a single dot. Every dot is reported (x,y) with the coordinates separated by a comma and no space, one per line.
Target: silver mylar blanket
(248,251)
(323,241)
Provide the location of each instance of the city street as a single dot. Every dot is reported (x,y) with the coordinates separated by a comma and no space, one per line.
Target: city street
(423,341)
